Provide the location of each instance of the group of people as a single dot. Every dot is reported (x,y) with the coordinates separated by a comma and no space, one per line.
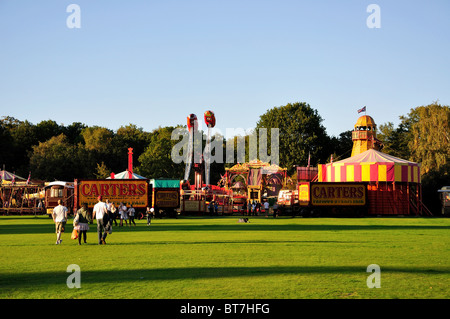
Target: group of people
(106,213)
(254,208)
(122,212)
(213,208)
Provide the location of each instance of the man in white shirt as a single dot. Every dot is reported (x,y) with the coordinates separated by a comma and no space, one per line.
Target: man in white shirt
(266,208)
(100,213)
(59,217)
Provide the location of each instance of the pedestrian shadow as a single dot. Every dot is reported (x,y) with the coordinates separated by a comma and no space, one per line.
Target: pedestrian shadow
(24,280)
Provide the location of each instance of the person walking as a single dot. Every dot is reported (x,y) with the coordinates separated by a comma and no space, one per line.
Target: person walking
(101,214)
(108,207)
(113,214)
(81,221)
(123,214)
(59,218)
(275,210)
(131,212)
(211,208)
(244,208)
(150,212)
(258,209)
(266,208)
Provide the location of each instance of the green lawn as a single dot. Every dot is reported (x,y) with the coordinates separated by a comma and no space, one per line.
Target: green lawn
(192,257)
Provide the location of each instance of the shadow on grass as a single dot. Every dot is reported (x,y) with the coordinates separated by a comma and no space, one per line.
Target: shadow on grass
(155,227)
(25,280)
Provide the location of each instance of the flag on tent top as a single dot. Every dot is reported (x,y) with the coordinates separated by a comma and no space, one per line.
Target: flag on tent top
(363,109)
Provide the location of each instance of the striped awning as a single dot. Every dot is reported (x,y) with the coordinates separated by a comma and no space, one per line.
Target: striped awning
(370,166)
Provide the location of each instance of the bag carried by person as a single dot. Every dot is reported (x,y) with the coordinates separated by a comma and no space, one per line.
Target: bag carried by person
(76,220)
(74,234)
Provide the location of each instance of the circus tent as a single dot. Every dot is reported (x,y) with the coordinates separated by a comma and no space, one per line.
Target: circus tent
(125,175)
(7,176)
(393,184)
(370,166)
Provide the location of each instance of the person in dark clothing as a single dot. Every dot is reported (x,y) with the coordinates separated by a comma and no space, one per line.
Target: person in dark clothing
(81,222)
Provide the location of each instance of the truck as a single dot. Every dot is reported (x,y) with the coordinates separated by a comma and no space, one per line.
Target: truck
(288,202)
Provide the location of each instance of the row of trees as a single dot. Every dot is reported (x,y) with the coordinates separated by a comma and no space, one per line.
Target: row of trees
(56,152)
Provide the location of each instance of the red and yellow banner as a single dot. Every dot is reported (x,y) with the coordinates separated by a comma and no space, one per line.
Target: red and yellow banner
(134,192)
(338,194)
(303,194)
(369,172)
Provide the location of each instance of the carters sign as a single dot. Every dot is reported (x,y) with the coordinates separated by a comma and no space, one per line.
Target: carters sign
(135,192)
(167,198)
(340,194)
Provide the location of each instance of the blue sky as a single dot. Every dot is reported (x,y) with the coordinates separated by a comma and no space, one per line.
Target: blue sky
(152,63)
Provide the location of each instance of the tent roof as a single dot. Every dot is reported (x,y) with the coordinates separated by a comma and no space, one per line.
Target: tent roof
(238,185)
(7,176)
(124,175)
(267,167)
(165,183)
(374,156)
(59,183)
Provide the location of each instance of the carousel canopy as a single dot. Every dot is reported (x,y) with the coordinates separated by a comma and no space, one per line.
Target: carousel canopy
(124,175)
(238,185)
(370,166)
(7,176)
(266,167)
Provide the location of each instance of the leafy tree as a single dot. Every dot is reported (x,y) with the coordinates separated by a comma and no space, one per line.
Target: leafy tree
(300,132)
(6,145)
(430,144)
(126,137)
(423,137)
(102,171)
(156,161)
(45,130)
(73,132)
(97,139)
(23,138)
(395,140)
(341,145)
(53,159)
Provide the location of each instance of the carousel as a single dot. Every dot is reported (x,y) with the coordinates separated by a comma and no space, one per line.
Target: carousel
(255,180)
(19,195)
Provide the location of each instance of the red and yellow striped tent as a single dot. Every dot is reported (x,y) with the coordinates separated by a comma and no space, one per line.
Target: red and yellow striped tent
(370,166)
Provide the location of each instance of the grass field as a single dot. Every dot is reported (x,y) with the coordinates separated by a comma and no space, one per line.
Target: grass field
(192,257)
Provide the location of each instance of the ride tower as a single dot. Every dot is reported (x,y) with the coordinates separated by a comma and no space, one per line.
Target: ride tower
(364,136)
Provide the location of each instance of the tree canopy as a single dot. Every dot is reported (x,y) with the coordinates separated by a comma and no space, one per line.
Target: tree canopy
(52,151)
(300,133)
